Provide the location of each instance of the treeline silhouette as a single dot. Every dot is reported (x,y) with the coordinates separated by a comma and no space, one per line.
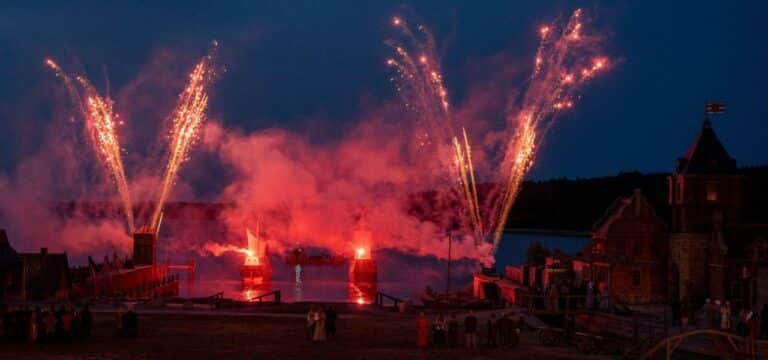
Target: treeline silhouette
(556,204)
(576,204)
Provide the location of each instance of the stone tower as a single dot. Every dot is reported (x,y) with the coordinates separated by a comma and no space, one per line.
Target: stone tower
(145,246)
(705,193)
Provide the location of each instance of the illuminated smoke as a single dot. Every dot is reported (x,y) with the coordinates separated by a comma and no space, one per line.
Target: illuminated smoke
(101,125)
(186,120)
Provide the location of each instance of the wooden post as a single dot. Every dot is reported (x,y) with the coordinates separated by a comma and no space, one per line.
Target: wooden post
(448,275)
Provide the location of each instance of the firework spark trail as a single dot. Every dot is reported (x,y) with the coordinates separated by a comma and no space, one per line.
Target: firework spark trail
(461,165)
(186,120)
(564,62)
(473,183)
(420,83)
(467,182)
(101,125)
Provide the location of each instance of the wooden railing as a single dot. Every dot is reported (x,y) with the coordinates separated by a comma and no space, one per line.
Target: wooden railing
(382,297)
(277,296)
(728,346)
(146,289)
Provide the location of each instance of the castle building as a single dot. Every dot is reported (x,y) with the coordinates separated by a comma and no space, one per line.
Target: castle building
(705,252)
(712,253)
(627,255)
(32,276)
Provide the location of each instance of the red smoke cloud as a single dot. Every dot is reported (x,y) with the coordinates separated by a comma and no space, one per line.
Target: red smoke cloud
(312,195)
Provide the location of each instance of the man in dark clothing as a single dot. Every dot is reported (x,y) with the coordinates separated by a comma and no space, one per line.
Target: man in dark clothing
(676,312)
(492,329)
(330,323)
(86,322)
(453,331)
(501,329)
(470,330)
(764,322)
(130,323)
(4,319)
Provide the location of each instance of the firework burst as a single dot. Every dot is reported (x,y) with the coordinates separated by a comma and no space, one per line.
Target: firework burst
(186,120)
(101,124)
(565,60)
(420,83)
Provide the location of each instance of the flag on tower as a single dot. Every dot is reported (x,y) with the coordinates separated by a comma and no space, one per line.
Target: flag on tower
(715,107)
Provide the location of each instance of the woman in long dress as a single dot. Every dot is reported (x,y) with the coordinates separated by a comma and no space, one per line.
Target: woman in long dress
(319,326)
(311,323)
(422,332)
(725,316)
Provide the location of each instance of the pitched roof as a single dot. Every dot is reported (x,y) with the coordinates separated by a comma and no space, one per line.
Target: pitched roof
(45,273)
(7,254)
(611,213)
(706,155)
(616,211)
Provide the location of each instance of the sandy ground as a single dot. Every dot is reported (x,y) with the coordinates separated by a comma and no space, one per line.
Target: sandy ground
(211,335)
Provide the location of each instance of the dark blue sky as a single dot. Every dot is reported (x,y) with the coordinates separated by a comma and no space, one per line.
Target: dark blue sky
(288,61)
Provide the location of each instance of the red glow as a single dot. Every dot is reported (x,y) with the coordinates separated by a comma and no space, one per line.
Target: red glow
(361,253)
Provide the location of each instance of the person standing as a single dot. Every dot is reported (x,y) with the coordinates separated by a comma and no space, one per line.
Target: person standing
(675,305)
(422,331)
(86,321)
(714,315)
(49,323)
(492,328)
(741,325)
(311,322)
(440,328)
(32,328)
(66,324)
(470,330)
(752,332)
(330,322)
(453,331)
(131,323)
(504,329)
(319,326)
(764,322)
(516,323)
(725,316)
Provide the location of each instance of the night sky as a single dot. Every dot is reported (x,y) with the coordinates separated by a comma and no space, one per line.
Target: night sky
(309,65)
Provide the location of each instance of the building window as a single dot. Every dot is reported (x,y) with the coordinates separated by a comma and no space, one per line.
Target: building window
(711,191)
(621,247)
(636,278)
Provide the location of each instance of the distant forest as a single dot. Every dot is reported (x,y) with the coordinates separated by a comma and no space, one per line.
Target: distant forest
(567,204)
(557,204)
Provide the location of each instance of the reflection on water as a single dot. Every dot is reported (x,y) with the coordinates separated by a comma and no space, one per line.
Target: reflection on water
(400,275)
(290,291)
